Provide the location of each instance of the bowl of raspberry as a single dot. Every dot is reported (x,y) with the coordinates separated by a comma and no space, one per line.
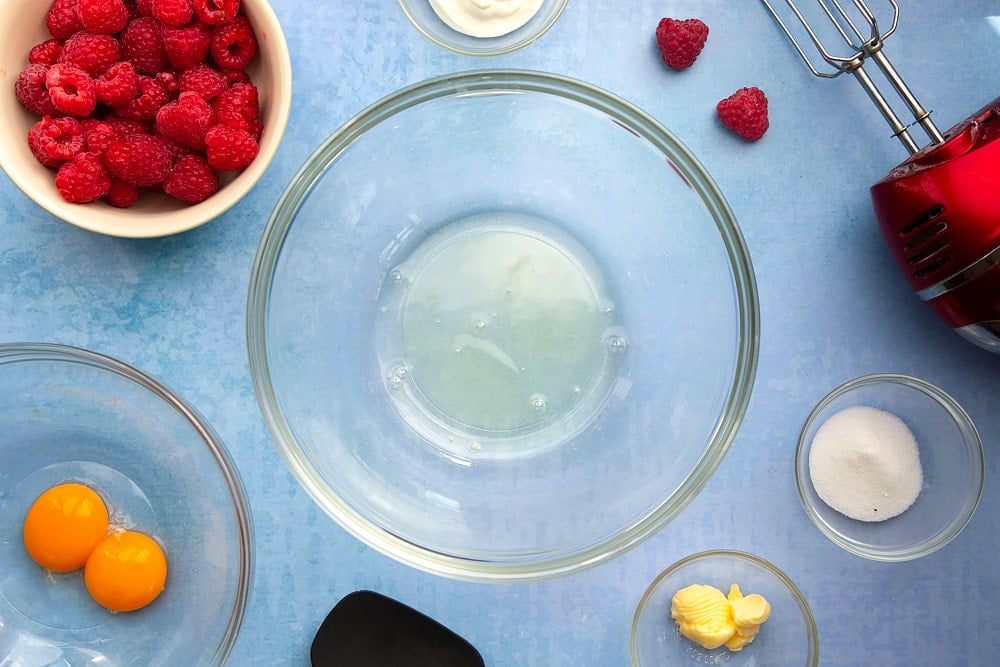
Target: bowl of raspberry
(140,118)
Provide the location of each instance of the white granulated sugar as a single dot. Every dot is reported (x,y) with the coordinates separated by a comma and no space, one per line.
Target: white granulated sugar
(865,464)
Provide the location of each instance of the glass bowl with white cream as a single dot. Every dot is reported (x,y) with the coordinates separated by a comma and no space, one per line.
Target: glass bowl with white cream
(674,627)
(483,27)
(502,325)
(889,467)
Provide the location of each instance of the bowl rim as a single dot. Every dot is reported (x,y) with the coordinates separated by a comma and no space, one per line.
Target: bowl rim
(504,81)
(184,217)
(970,438)
(486,49)
(812,630)
(29,352)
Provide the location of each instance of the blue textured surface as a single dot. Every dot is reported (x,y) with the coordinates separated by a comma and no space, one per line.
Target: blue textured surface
(833,307)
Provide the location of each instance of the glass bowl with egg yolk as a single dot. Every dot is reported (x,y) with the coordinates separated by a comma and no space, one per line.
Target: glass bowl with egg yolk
(788,638)
(121,440)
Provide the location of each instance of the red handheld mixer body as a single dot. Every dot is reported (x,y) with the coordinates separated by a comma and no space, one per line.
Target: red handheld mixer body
(939,210)
(940,214)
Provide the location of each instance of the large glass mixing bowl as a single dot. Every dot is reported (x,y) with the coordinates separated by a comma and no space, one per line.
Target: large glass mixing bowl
(502,325)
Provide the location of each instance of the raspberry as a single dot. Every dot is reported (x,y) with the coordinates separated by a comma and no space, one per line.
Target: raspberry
(204,80)
(152,95)
(235,76)
(185,120)
(118,86)
(187,46)
(745,113)
(97,135)
(191,180)
(680,42)
(102,17)
(30,90)
(229,148)
(239,107)
(126,126)
(171,82)
(233,44)
(83,179)
(142,44)
(71,90)
(139,159)
(122,194)
(46,53)
(55,140)
(91,53)
(174,13)
(216,12)
(62,19)
(144,7)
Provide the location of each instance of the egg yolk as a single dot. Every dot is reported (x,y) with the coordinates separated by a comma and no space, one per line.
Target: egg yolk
(64,525)
(126,571)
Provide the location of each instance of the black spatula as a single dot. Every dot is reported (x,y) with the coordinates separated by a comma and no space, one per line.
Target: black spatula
(366,629)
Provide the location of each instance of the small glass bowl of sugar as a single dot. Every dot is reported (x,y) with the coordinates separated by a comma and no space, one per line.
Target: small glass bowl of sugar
(889,467)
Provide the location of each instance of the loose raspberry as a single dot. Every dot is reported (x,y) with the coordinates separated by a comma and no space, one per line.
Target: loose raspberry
(204,80)
(229,148)
(152,95)
(745,113)
(122,194)
(55,140)
(83,179)
(174,13)
(680,41)
(216,12)
(102,17)
(185,120)
(62,19)
(239,107)
(91,53)
(233,44)
(72,91)
(142,44)
(46,53)
(30,90)
(191,180)
(118,86)
(187,46)
(97,135)
(139,159)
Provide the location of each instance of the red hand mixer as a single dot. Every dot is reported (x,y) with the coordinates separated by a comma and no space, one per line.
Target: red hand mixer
(939,210)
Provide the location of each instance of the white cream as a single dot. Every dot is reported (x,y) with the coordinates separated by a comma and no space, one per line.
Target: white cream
(486,18)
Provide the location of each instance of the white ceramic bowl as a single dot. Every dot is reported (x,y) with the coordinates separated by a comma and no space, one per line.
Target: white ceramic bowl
(22,25)
(425,19)
(951,456)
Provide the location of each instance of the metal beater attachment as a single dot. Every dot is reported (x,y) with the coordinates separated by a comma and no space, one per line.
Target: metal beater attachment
(860,29)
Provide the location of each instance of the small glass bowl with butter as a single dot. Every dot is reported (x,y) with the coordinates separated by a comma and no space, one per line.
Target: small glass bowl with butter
(483,27)
(787,638)
(950,458)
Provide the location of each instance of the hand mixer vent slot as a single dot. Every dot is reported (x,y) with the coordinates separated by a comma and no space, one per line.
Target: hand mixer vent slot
(925,243)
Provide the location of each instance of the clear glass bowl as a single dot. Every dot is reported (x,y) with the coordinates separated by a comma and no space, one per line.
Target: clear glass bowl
(951,456)
(425,19)
(71,415)
(502,325)
(788,638)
